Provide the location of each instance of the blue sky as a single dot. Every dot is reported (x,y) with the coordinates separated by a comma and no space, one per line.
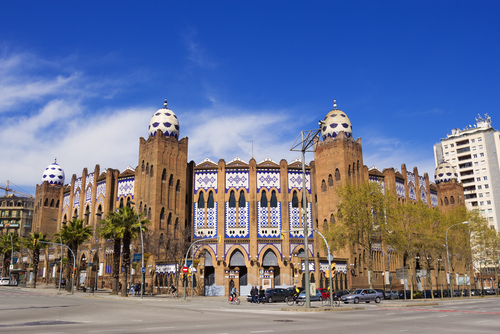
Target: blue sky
(80,80)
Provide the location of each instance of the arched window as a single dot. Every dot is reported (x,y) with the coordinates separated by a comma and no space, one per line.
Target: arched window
(330,180)
(149,213)
(242,202)
(263,200)
(147,168)
(201,201)
(232,199)
(337,174)
(164,175)
(452,200)
(52,203)
(354,169)
(332,219)
(295,200)
(151,171)
(169,219)
(121,202)
(142,167)
(171,181)
(269,259)
(357,167)
(178,186)
(325,225)
(446,201)
(57,204)
(323,185)
(46,203)
(237,259)
(210,202)
(274,200)
(176,226)
(162,217)
(349,172)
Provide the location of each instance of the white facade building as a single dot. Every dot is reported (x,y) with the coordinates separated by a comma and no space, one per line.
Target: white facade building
(474,152)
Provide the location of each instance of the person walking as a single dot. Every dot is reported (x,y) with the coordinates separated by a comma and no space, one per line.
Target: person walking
(253,294)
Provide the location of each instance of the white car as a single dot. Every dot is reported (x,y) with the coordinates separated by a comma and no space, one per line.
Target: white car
(4,281)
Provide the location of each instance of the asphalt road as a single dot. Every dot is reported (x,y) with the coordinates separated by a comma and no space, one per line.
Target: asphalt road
(37,311)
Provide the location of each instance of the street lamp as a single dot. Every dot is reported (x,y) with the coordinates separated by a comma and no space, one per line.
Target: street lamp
(448,256)
(60,264)
(143,271)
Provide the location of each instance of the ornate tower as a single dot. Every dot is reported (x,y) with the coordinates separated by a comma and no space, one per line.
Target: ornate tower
(450,191)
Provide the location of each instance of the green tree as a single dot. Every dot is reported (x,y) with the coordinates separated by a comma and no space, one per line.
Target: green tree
(128,229)
(73,234)
(29,243)
(361,218)
(6,248)
(110,230)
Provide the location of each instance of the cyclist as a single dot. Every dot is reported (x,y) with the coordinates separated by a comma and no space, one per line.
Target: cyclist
(172,289)
(234,293)
(296,292)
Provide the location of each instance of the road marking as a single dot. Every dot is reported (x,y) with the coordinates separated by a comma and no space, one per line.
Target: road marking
(106,330)
(390,313)
(152,328)
(267,331)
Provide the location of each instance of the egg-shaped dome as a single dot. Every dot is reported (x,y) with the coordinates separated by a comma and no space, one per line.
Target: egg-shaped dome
(53,174)
(335,121)
(166,121)
(444,173)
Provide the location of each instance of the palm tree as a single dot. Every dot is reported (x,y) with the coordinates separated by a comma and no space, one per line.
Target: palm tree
(128,228)
(29,243)
(8,243)
(109,230)
(73,235)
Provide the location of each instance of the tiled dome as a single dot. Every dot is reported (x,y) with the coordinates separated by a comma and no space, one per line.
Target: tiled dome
(335,121)
(53,174)
(444,173)
(166,121)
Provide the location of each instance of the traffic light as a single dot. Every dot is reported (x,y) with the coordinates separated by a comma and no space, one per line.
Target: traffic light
(334,269)
(282,235)
(34,242)
(220,239)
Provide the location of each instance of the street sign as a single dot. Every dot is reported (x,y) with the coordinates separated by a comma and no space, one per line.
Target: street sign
(185,269)
(189,263)
(143,270)
(402,273)
(146,256)
(91,264)
(137,257)
(329,257)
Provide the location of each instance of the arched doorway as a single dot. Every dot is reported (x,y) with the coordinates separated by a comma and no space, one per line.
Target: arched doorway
(270,260)
(209,274)
(237,260)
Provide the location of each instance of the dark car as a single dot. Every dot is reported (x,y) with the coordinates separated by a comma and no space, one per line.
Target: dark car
(382,292)
(313,297)
(340,293)
(276,295)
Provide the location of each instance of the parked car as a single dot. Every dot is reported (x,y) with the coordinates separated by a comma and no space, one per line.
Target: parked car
(314,297)
(475,292)
(362,295)
(276,295)
(340,293)
(416,294)
(382,292)
(4,281)
(324,292)
(490,292)
(391,294)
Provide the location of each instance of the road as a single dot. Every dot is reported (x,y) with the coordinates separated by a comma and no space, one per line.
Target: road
(36,311)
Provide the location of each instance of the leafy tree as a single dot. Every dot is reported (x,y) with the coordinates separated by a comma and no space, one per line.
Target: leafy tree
(73,235)
(128,228)
(29,243)
(6,248)
(110,230)
(361,218)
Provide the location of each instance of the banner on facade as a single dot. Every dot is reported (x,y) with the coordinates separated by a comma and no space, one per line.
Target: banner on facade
(166,268)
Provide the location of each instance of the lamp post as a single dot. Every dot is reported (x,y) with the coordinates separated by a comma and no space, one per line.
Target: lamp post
(142,249)
(448,256)
(305,143)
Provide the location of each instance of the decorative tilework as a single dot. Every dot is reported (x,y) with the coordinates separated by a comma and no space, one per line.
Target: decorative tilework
(88,196)
(237,226)
(227,248)
(101,190)
(380,180)
(166,268)
(126,187)
(237,178)
(268,179)
(66,201)
(410,177)
(295,228)
(278,246)
(295,181)
(376,247)
(340,267)
(78,184)
(202,230)
(89,180)
(311,266)
(400,188)
(205,180)
(434,199)
(76,199)
(423,195)
(294,246)
(412,194)
(422,183)
(269,221)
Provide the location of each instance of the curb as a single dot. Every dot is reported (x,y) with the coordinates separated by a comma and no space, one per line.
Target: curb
(322,309)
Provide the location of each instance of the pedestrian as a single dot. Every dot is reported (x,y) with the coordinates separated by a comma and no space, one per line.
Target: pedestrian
(138,288)
(253,294)
(262,294)
(132,292)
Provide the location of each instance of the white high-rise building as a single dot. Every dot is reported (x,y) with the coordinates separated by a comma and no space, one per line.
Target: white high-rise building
(474,152)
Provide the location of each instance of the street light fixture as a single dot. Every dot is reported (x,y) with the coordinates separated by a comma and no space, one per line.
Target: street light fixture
(448,256)
(60,264)
(142,247)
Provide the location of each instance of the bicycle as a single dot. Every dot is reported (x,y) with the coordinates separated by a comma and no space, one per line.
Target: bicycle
(172,292)
(294,299)
(234,300)
(326,301)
